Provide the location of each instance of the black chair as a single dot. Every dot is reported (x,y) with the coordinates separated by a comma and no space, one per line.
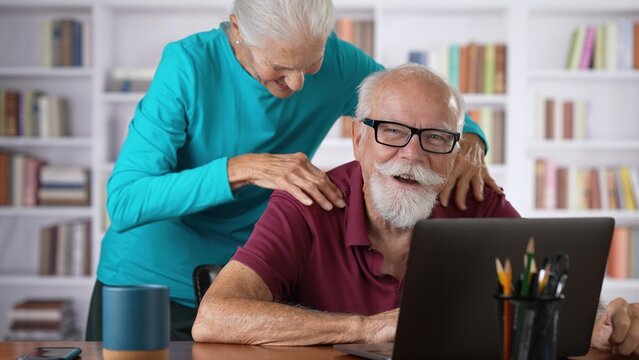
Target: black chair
(203,276)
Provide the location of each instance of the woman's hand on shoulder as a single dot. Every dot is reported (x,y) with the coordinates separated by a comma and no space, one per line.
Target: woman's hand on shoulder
(469,170)
(293,173)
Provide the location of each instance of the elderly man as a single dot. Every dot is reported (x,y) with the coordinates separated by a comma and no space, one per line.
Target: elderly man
(307,276)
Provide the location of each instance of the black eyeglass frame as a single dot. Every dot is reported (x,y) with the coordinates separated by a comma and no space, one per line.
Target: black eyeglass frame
(413,131)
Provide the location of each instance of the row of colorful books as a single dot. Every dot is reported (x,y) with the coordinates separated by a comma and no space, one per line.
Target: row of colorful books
(65,249)
(66,42)
(473,68)
(492,121)
(569,187)
(42,320)
(608,46)
(360,33)
(566,119)
(624,253)
(27,181)
(33,113)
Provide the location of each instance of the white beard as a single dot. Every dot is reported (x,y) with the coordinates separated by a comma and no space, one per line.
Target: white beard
(400,207)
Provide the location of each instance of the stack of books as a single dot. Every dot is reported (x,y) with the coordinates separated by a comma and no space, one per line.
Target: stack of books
(19,180)
(474,68)
(66,42)
(63,185)
(608,46)
(42,320)
(33,113)
(624,252)
(567,119)
(570,187)
(65,249)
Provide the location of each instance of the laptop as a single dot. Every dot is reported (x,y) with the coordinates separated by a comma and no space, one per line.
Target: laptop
(448,310)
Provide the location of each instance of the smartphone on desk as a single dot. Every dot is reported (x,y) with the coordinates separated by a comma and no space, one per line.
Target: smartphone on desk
(49,353)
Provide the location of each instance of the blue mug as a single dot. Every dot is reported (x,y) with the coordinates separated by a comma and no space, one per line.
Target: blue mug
(135,322)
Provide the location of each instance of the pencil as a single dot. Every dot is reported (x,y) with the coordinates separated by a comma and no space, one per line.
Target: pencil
(530,253)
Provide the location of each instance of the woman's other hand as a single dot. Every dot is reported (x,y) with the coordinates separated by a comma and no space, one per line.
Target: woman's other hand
(292,173)
(469,170)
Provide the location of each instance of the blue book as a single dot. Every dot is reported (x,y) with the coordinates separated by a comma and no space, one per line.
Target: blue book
(418,57)
(76,44)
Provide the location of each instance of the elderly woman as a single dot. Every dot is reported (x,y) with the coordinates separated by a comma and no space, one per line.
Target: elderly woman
(232,114)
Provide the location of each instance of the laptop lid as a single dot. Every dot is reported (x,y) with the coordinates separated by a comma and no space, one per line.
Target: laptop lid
(448,310)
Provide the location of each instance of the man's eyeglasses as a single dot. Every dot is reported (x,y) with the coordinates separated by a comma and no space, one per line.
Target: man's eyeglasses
(393,134)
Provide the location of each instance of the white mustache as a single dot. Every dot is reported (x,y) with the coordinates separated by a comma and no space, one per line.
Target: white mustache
(421,174)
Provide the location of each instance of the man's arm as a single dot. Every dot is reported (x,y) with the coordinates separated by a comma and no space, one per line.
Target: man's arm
(239,308)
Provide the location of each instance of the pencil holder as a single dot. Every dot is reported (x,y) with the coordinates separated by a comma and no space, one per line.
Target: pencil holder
(528,327)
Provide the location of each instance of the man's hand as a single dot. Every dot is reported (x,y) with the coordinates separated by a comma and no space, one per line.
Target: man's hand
(469,170)
(617,330)
(292,173)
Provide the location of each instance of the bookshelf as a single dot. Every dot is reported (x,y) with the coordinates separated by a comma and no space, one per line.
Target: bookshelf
(132,33)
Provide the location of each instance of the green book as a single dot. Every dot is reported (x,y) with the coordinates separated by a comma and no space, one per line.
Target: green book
(489,68)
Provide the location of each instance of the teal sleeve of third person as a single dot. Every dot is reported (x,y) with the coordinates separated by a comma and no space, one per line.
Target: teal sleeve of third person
(471,127)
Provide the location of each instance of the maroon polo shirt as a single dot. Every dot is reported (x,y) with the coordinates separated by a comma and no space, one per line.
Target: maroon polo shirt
(323,259)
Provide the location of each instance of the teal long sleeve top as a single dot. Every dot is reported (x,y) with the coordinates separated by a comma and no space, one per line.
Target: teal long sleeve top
(169,200)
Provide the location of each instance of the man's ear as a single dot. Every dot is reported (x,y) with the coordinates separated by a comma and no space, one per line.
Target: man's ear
(356,135)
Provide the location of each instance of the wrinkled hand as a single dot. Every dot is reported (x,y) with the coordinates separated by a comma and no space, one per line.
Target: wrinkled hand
(292,173)
(469,170)
(617,330)
(380,328)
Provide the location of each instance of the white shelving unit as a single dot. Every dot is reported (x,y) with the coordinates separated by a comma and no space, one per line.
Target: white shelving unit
(132,34)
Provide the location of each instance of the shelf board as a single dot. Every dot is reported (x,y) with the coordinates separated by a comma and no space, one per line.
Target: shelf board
(621,216)
(442,5)
(122,97)
(35,280)
(610,6)
(485,99)
(46,142)
(62,72)
(621,284)
(585,75)
(67,211)
(584,145)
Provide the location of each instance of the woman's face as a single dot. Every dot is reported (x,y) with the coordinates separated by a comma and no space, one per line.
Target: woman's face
(281,67)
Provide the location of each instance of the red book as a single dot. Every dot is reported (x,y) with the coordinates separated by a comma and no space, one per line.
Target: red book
(550,119)
(618,256)
(568,123)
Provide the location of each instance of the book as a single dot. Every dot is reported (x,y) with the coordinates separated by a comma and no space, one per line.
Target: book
(549,111)
(489,68)
(618,255)
(568,122)
(500,69)
(576,48)
(589,43)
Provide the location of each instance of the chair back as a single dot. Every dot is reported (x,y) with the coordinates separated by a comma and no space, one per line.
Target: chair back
(203,277)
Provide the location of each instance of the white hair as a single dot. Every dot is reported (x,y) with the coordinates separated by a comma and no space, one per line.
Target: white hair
(288,21)
(445,92)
